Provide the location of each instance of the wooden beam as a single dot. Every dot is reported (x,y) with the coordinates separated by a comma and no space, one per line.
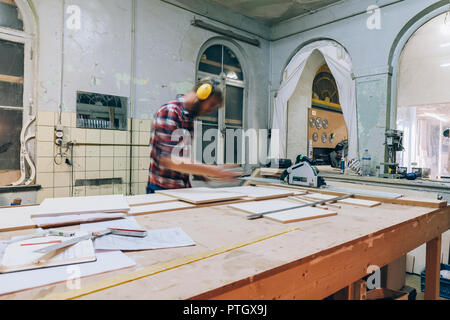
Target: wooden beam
(433,268)
(12,79)
(320,275)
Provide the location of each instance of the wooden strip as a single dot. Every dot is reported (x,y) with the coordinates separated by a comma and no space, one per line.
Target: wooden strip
(12,79)
(259,193)
(360,203)
(146,272)
(315,277)
(143,199)
(296,215)
(201,195)
(433,269)
(425,203)
(258,207)
(159,207)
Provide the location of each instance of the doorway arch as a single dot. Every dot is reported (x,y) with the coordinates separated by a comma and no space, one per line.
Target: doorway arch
(339,61)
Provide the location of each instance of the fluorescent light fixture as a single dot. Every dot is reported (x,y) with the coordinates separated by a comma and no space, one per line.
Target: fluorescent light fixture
(445,45)
(445,65)
(431,115)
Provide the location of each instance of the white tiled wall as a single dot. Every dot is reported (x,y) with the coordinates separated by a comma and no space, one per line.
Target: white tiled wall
(98,161)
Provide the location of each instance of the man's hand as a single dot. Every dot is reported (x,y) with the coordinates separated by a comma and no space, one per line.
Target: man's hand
(227,174)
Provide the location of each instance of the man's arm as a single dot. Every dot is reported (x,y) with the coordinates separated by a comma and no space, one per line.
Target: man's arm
(184,165)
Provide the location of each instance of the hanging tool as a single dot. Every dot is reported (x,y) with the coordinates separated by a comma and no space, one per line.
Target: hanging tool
(312,204)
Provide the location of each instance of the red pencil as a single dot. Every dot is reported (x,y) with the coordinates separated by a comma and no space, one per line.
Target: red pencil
(35,244)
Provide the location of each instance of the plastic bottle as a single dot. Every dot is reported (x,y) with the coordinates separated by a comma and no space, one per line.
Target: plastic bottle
(342,165)
(366,160)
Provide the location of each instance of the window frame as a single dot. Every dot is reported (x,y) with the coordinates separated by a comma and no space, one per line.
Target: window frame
(221,123)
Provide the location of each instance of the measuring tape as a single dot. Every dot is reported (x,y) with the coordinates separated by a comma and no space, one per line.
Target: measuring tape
(152,270)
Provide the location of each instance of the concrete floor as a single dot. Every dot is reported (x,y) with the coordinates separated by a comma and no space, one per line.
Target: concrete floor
(413,280)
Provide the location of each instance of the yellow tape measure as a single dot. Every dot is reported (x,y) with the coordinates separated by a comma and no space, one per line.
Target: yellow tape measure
(146,272)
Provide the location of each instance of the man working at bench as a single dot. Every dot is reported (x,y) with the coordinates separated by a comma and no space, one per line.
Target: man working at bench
(170,142)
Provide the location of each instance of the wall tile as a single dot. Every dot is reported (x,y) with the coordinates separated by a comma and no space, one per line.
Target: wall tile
(45,133)
(120,163)
(44,165)
(45,179)
(45,149)
(120,151)
(62,179)
(92,151)
(78,135)
(46,118)
(107,136)
(92,164)
(92,136)
(107,151)
(79,164)
(106,163)
(120,137)
(43,194)
(79,191)
(62,192)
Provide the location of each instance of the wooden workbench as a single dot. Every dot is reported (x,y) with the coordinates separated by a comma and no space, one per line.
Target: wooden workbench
(320,258)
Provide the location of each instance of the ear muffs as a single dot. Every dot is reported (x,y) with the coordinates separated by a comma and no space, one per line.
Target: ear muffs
(205,91)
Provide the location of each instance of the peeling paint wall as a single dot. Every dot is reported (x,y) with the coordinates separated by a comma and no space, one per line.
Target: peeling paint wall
(369,49)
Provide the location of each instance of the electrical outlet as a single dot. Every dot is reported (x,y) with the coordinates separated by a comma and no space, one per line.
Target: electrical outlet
(59,135)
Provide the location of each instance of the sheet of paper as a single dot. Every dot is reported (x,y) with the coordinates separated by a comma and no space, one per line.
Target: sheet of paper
(75,219)
(155,239)
(22,255)
(106,261)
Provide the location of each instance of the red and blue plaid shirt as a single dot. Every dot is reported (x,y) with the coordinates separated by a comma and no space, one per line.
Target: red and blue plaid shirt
(172,133)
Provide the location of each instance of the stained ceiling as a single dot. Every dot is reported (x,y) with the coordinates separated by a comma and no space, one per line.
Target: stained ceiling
(274,11)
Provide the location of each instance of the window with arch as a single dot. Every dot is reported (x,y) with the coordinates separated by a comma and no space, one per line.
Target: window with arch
(222,130)
(423,99)
(13,43)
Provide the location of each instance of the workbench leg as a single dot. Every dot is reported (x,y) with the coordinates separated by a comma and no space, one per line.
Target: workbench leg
(433,269)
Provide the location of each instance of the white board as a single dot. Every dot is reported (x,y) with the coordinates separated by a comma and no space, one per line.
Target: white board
(143,199)
(159,207)
(68,220)
(360,203)
(16,218)
(319,196)
(259,193)
(296,215)
(256,207)
(81,205)
(201,195)
(106,261)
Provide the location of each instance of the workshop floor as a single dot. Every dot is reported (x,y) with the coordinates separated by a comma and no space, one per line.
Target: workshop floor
(413,280)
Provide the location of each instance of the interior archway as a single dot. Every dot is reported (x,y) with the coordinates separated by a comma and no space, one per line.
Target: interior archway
(315,122)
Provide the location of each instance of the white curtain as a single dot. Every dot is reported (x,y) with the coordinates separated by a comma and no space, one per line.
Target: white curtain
(340,65)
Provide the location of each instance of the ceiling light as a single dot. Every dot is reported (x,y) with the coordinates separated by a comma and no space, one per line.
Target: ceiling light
(445,65)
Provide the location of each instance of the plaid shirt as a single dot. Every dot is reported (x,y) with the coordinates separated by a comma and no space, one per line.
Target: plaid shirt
(171,119)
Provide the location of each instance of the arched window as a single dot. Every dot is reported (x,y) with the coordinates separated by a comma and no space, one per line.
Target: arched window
(220,129)
(423,99)
(15,92)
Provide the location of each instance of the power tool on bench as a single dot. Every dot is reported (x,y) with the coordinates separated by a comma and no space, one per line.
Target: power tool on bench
(303,173)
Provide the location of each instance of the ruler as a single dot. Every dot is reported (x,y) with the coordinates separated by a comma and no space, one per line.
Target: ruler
(312,204)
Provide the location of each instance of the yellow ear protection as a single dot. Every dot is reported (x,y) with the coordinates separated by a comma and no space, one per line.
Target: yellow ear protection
(206,90)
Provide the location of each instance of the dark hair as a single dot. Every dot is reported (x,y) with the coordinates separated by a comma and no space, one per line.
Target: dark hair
(217,93)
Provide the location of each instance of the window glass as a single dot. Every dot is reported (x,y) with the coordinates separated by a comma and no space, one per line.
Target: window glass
(10,16)
(10,128)
(423,101)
